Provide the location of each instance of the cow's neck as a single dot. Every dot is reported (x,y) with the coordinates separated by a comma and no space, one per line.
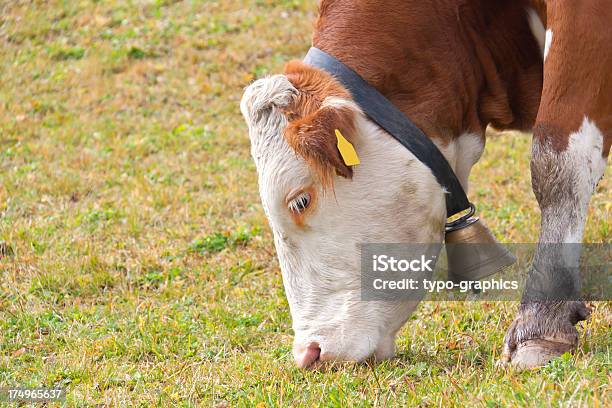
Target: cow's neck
(452,69)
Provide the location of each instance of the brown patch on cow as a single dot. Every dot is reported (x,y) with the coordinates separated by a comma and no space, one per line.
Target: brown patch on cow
(577,72)
(311,128)
(450,66)
(313,87)
(313,137)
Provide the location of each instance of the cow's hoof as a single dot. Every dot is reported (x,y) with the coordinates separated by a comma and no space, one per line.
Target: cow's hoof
(537,353)
(541,332)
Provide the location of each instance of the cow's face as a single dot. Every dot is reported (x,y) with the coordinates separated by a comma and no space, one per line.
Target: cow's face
(320,210)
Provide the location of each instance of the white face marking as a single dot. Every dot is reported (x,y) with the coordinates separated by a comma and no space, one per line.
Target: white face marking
(547,42)
(392,197)
(537,27)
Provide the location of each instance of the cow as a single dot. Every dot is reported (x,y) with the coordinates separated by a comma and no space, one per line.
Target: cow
(453,67)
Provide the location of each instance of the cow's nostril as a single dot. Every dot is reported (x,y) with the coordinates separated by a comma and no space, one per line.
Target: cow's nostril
(307,356)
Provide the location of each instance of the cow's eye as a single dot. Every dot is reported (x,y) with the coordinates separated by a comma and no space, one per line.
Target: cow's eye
(299,203)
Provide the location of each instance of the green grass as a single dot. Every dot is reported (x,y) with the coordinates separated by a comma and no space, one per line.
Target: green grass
(136,265)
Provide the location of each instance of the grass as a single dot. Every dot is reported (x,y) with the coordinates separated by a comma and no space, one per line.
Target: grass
(136,265)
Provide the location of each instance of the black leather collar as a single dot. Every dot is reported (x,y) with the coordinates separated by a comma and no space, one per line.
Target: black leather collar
(380,110)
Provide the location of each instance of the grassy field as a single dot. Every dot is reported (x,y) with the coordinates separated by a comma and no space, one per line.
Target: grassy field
(136,264)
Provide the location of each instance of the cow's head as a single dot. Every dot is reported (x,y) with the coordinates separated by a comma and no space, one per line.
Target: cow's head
(321,210)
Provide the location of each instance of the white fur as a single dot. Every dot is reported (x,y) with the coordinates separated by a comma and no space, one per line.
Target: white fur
(392,197)
(462,153)
(548,43)
(566,180)
(537,27)
(336,102)
(585,151)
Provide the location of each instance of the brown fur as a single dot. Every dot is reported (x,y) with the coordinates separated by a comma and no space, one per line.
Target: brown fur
(452,66)
(313,86)
(313,138)
(311,130)
(577,72)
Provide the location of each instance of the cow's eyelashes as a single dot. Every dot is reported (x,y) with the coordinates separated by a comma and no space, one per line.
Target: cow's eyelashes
(299,203)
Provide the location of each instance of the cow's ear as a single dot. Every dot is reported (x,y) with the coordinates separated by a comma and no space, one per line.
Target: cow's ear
(314,138)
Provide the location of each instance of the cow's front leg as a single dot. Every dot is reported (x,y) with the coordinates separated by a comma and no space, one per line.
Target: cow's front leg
(565,171)
(571,141)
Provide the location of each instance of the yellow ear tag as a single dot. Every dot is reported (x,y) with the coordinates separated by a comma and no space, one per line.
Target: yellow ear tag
(347,151)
